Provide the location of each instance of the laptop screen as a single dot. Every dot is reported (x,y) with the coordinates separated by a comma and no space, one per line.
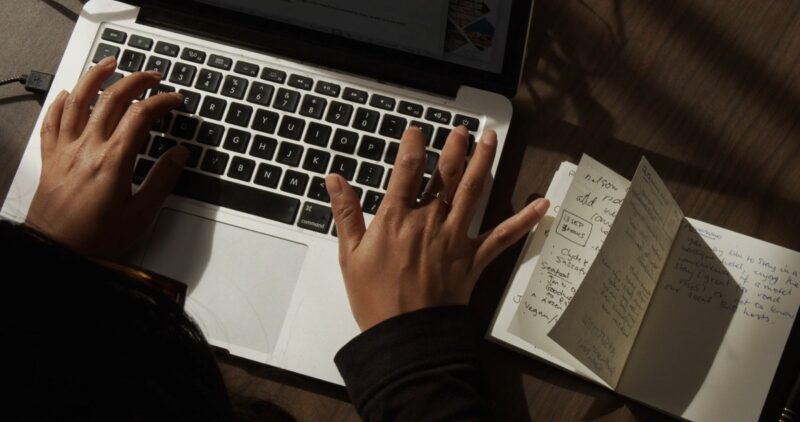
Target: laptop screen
(469,33)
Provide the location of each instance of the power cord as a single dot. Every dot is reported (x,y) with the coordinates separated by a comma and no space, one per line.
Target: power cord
(38,82)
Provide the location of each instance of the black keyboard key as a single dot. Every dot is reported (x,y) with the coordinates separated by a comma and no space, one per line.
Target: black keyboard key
(286,100)
(318,134)
(315,217)
(316,160)
(234,86)
(161,89)
(383,102)
(339,113)
(241,169)
(143,146)
(144,43)
(427,130)
(167,49)
(131,61)
(111,80)
(302,82)
(208,80)
(289,154)
(210,134)
(372,200)
(391,152)
(160,146)
(143,167)
(191,100)
(245,68)
(265,121)
(431,158)
(366,120)
(371,148)
(345,166)
(268,175)
(183,74)
(386,181)
(273,75)
(370,174)
(294,182)
(185,126)
(260,94)
(392,126)
(194,154)
(318,190)
(213,108)
(103,51)
(238,197)
(113,35)
(158,63)
(327,88)
(313,106)
(192,55)
(236,140)
(215,162)
(162,123)
(441,137)
(409,109)
(220,62)
(344,141)
(355,95)
(263,147)
(291,127)
(438,116)
(239,114)
(470,122)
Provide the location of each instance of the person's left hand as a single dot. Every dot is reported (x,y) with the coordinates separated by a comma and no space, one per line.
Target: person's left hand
(84,198)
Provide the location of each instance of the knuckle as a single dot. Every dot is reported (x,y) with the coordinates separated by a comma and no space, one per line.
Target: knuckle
(449,172)
(48,128)
(501,235)
(71,102)
(344,212)
(411,160)
(471,186)
(140,109)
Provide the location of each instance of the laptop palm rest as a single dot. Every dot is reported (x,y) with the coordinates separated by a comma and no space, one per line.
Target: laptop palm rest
(239,289)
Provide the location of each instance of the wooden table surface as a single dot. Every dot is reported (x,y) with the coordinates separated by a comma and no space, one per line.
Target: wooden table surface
(708,90)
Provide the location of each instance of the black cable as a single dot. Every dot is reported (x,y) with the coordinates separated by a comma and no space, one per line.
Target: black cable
(38,82)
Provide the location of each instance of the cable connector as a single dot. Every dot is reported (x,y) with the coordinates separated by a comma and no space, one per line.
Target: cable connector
(38,82)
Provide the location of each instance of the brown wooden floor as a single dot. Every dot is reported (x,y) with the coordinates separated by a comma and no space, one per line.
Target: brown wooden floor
(708,90)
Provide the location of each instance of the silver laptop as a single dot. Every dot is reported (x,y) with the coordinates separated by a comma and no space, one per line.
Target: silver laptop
(278,94)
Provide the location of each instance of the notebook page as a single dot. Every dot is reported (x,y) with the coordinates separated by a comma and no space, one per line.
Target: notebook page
(720,317)
(581,225)
(601,323)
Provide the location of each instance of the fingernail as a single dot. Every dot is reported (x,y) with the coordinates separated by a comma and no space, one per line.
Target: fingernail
(541,205)
(106,61)
(461,130)
(154,73)
(179,95)
(334,185)
(416,128)
(181,156)
(489,138)
(61,94)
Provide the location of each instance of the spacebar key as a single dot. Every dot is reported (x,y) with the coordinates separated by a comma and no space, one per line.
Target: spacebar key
(238,197)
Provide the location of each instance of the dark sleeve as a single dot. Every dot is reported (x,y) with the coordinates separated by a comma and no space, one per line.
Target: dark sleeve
(419,366)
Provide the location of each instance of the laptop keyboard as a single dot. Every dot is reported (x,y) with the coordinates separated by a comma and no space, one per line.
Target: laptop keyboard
(262,138)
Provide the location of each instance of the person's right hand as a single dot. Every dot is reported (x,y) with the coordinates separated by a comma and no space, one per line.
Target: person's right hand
(417,255)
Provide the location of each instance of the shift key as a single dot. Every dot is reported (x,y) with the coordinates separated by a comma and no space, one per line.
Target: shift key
(238,197)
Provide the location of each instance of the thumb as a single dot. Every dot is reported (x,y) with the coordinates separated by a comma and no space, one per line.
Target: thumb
(347,213)
(161,181)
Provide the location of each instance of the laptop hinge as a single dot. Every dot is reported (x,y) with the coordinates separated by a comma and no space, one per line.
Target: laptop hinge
(303,45)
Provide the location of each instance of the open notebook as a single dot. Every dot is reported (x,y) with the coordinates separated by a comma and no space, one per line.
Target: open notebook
(616,285)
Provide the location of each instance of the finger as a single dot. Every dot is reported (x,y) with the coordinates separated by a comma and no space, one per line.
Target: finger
(115,100)
(76,108)
(450,167)
(347,213)
(51,123)
(408,166)
(509,232)
(135,124)
(160,182)
(472,183)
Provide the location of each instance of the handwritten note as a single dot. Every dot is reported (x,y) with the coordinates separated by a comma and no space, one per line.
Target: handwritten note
(600,325)
(581,225)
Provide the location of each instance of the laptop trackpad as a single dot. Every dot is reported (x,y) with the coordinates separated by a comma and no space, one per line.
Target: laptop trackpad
(240,281)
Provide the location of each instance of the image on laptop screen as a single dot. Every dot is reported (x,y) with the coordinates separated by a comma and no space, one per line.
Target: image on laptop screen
(470,33)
